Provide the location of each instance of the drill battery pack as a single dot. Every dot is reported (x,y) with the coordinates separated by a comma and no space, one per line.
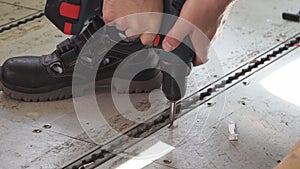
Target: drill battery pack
(71,16)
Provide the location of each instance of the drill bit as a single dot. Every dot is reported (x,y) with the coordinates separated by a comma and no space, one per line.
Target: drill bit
(172,112)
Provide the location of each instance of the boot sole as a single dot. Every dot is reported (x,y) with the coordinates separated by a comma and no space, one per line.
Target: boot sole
(66,92)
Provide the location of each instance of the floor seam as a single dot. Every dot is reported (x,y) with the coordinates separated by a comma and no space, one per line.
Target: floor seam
(12,4)
(9,24)
(73,137)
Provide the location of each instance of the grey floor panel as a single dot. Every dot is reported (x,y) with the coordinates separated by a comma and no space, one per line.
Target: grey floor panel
(265,136)
(21,148)
(268,127)
(30,4)
(10,13)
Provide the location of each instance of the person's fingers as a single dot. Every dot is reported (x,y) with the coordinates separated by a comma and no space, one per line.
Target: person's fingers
(139,26)
(152,28)
(110,24)
(108,16)
(135,25)
(121,24)
(132,33)
(176,35)
(147,38)
(201,46)
(121,27)
(211,32)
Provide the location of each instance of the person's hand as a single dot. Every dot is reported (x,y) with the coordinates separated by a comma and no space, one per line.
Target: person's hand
(205,15)
(144,26)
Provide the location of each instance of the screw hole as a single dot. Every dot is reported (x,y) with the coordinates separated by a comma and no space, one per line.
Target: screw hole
(47,126)
(167,161)
(37,131)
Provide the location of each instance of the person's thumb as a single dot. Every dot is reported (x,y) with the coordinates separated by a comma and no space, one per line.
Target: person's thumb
(176,35)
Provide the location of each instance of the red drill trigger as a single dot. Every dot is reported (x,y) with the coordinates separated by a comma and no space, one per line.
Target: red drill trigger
(156,40)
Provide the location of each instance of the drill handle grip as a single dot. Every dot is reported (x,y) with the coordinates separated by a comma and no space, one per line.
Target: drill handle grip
(185,50)
(175,74)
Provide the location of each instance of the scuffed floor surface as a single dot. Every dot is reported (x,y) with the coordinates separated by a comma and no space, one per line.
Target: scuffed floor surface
(27,140)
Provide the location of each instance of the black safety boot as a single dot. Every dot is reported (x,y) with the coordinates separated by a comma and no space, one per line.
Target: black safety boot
(49,77)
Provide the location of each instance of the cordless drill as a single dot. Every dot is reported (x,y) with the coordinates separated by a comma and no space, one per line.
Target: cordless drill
(71,17)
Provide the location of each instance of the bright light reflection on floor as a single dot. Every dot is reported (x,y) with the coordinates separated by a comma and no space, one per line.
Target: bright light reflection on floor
(285,83)
(148,156)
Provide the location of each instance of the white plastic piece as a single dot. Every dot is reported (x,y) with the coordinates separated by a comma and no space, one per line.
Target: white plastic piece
(233,131)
